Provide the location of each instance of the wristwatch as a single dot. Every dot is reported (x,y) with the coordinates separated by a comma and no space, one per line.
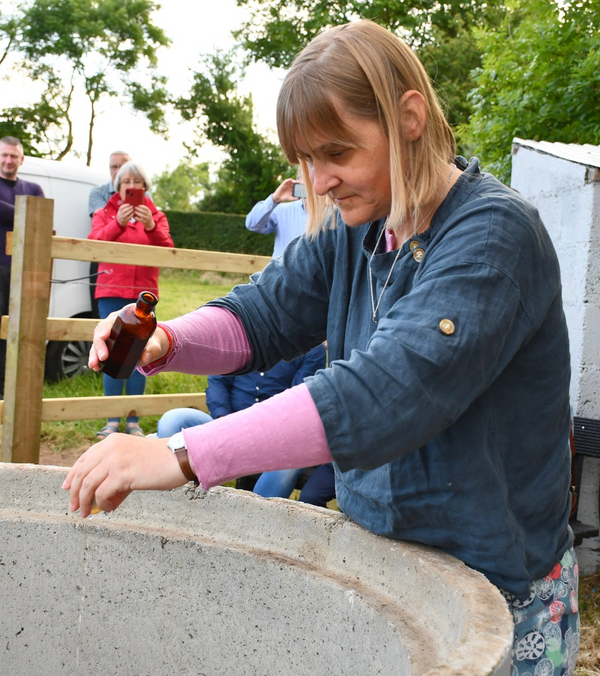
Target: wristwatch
(177,444)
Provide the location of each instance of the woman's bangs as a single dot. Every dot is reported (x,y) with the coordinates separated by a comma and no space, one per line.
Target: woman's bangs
(309,114)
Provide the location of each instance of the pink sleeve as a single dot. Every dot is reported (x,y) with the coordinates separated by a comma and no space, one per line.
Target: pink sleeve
(209,341)
(283,432)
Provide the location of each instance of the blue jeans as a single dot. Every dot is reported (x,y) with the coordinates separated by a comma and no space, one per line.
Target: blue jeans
(136,384)
(277,484)
(178,419)
(319,489)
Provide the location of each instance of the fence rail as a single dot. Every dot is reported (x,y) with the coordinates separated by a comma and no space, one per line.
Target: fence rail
(27,327)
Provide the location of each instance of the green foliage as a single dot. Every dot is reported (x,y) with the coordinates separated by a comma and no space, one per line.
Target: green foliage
(182,188)
(151,101)
(449,61)
(32,126)
(540,80)
(103,48)
(217,232)
(441,34)
(277,30)
(119,31)
(254,166)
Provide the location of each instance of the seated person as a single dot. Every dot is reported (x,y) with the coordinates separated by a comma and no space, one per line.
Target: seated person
(318,489)
(227,394)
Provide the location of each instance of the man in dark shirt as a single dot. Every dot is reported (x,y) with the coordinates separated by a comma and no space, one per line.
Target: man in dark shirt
(11,158)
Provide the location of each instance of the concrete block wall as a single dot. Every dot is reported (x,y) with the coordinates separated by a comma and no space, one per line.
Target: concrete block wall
(563,182)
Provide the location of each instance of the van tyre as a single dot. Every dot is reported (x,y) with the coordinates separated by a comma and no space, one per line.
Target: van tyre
(66,359)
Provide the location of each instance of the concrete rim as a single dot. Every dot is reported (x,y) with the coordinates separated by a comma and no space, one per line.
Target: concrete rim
(389,574)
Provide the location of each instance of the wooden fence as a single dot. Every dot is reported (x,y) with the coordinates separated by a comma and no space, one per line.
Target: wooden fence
(27,328)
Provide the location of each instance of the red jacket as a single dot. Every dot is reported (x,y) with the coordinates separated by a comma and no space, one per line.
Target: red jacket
(128,281)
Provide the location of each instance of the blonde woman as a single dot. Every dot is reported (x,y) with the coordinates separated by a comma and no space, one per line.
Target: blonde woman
(445,407)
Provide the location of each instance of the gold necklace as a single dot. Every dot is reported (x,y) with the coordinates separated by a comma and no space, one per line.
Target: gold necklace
(387,281)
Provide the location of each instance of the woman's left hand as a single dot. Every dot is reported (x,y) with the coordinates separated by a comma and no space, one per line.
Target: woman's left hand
(108,471)
(144,215)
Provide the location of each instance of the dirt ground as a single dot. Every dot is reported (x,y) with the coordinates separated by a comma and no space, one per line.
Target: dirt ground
(64,458)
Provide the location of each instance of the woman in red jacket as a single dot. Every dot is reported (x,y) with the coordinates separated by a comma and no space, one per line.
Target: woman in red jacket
(119,285)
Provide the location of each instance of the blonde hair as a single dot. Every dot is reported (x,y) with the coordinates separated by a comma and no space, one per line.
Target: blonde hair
(364,69)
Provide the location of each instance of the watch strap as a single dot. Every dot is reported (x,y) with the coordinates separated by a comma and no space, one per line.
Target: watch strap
(184,463)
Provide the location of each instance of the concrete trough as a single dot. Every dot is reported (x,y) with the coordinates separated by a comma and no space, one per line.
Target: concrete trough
(225,582)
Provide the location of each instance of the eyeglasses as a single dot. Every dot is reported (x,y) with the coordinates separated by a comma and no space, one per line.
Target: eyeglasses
(132,181)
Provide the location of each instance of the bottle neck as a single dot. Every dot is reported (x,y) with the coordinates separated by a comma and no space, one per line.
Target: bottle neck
(145,304)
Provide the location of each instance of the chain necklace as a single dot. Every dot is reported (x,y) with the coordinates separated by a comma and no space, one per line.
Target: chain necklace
(387,281)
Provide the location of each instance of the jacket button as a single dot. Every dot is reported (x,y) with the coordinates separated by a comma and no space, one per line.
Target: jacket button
(418,255)
(414,244)
(447,327)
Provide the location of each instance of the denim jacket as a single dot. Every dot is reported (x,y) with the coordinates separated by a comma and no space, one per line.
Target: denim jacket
(448,419)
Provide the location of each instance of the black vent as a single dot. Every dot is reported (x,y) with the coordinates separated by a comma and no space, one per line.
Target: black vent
(586,433)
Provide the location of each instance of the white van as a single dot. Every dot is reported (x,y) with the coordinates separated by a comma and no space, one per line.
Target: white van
(71,294)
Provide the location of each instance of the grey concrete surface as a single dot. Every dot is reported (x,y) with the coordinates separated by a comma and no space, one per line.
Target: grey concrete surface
(226,582)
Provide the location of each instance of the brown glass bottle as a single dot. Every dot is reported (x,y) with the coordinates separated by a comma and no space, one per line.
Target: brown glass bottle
(131,331)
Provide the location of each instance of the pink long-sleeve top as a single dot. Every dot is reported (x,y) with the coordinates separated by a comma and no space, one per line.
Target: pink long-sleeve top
(284,432)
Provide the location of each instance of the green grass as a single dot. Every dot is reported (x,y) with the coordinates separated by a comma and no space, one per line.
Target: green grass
(181,291)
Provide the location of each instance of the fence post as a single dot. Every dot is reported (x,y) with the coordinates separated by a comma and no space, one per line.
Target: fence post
(26,340)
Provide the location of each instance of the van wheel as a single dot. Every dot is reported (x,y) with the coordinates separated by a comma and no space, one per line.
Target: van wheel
(66,359)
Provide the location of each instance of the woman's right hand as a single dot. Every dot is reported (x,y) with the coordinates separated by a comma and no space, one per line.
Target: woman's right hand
(156,347)
(124,214)
(284,192)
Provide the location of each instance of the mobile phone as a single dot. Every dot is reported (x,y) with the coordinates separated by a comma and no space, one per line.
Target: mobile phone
(134,196)
(299,190)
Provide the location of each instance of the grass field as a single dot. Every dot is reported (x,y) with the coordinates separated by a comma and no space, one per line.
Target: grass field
(180,291)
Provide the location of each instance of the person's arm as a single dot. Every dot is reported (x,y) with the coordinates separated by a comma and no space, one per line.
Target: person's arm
(310,363)
(97,199)
(218,395)
(159,235)
(105,227)
(208,341)
(262,218)
(283,432)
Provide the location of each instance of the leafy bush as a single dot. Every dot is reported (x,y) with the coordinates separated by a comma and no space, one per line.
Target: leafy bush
(217,232)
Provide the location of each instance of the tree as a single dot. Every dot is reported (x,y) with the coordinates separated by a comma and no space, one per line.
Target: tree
(440,33)
(99,47)
(540,80)
(253,166)
(35,126)
(183,188)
